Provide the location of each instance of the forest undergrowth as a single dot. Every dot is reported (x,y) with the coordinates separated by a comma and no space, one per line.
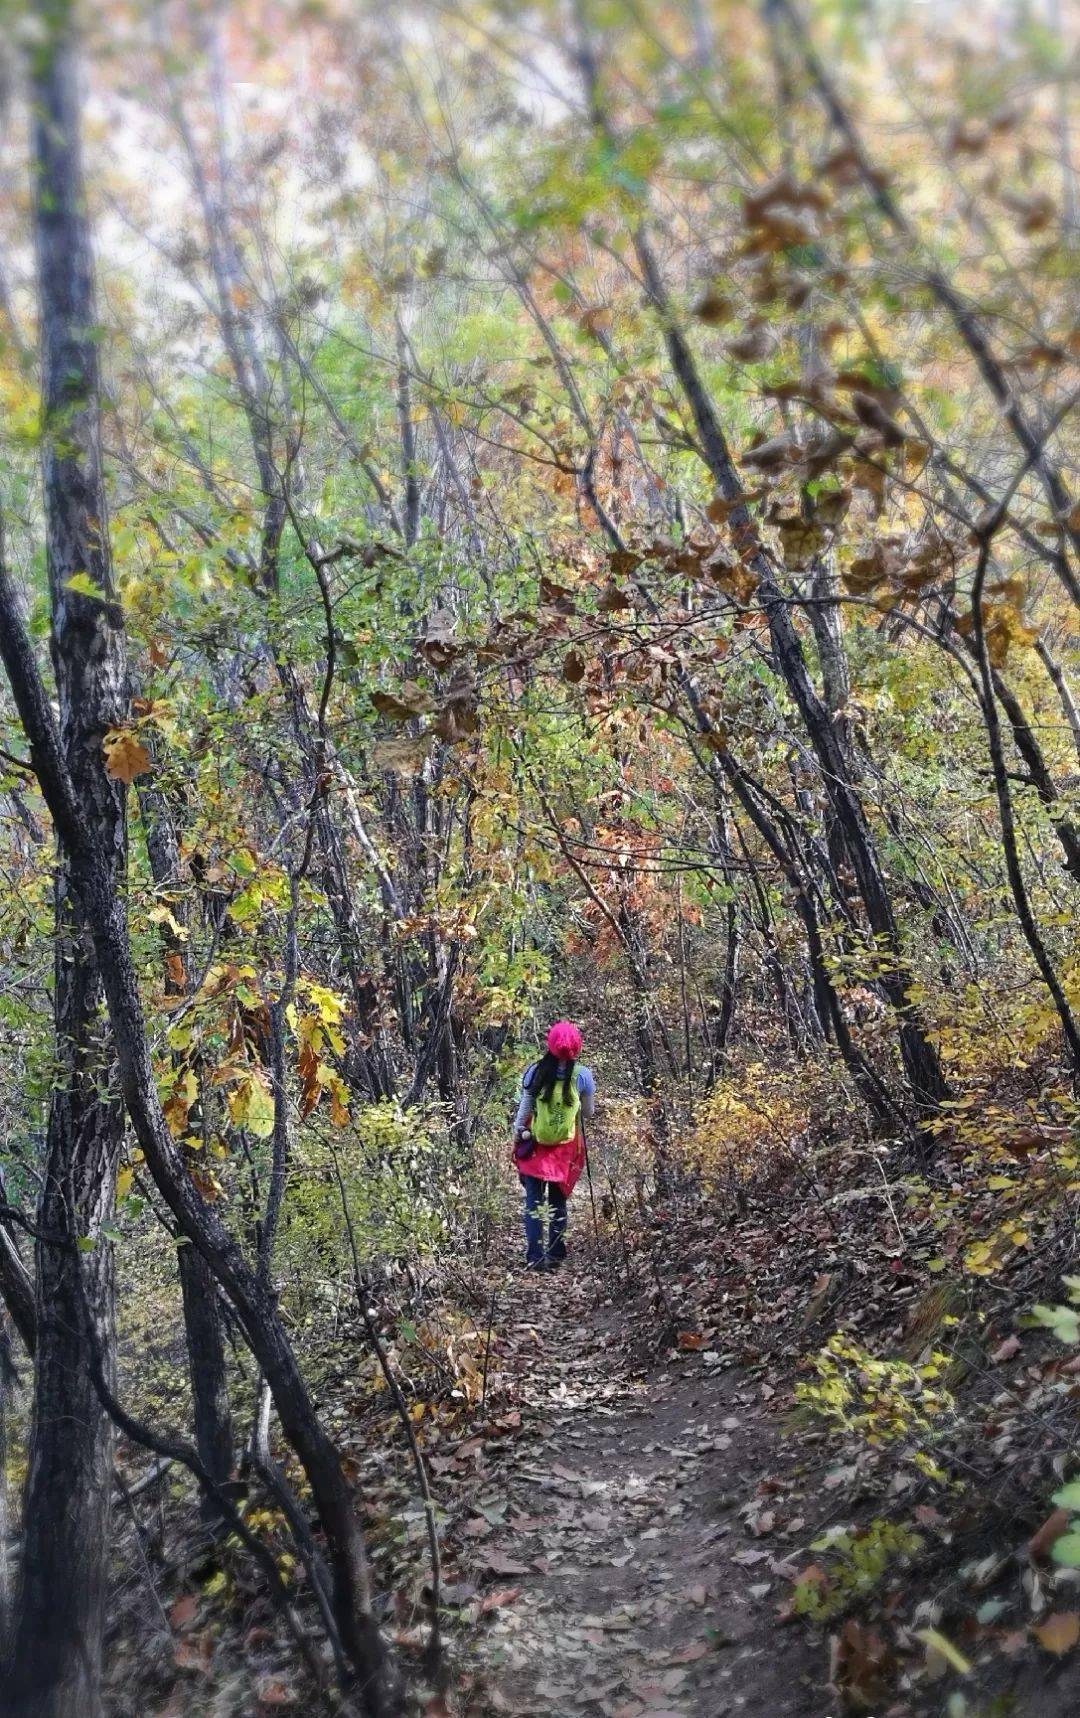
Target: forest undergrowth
(764,1446)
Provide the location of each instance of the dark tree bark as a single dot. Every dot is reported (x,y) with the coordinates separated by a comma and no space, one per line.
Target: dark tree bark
(1013,867)
(203,1333)
(47,1675)
(56,1644)
(17,1290)
(206,1364)
(826,1002)
(105,911)
(921,1064)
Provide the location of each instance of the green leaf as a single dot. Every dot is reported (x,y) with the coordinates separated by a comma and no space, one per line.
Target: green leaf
(1069,1495)
(86,1243)
(83,586)
(1064,1321)
(1066,1550)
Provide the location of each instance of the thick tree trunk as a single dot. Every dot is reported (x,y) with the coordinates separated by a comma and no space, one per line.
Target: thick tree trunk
(56,1646)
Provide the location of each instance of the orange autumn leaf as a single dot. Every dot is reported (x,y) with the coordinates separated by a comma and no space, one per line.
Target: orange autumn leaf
(125,756)
(1059,1633)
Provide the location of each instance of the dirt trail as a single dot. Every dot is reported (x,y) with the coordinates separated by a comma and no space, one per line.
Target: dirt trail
(629,1584)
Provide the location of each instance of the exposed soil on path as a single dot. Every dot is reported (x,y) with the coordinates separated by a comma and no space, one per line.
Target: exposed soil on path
(629,1581)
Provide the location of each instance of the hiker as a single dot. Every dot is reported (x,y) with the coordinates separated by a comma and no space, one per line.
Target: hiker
(549,1143)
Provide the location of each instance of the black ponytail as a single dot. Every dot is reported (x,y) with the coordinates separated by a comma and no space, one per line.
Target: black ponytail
(545,1077)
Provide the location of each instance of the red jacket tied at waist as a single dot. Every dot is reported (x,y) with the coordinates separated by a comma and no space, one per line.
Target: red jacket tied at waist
(560,1164)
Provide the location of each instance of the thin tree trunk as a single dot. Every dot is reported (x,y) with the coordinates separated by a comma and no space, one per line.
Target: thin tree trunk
(1062,688)
(54,1672)
(1013,868)
(963,317)
(203,1333)
(55,1666)
(206,1365)
(17,1290)
(105,911)
(920,1059)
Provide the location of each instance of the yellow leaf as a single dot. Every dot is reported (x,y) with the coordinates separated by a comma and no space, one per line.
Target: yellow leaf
(123,1182)
(940,1643)
(260,1111)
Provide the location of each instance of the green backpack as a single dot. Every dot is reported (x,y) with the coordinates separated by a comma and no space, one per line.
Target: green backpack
(554,1119)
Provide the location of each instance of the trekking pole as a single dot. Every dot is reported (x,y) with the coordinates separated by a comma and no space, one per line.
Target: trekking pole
(588,1174)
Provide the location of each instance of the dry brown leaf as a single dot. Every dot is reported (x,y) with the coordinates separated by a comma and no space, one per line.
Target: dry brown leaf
(125,756)
(182,1611)
(194,1653)
(1041,1543)
(272,1692)
(412,701)
(501,1597)
(713,308)
(1059,1633)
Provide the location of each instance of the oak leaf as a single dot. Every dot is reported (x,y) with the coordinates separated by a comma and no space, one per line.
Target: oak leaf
(125,756)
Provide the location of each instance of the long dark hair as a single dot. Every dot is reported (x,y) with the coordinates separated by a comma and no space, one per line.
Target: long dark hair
(545,1077)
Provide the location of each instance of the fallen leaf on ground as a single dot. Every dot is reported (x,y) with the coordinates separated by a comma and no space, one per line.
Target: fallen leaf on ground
(1059,1633)
(500,1597)
(182,1611)
(1041,1543)
(273,1692)
(936,1642)
(194,1653)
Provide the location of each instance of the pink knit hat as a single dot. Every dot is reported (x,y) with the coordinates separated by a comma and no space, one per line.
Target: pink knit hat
(564,1041)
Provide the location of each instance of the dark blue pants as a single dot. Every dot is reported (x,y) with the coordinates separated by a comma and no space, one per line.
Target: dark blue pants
(544,1200)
